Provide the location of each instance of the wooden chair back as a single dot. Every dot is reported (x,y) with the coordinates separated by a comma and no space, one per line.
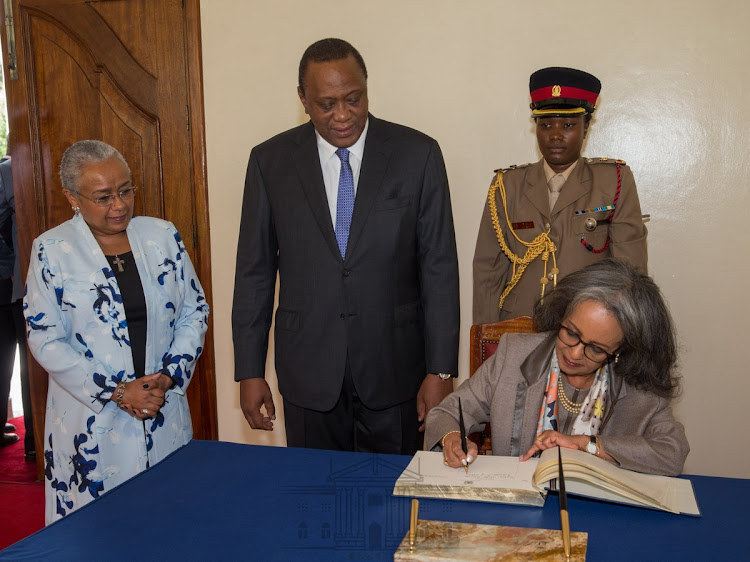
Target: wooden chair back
(483,344)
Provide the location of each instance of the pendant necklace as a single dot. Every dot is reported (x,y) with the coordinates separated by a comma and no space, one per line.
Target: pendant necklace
(119,263)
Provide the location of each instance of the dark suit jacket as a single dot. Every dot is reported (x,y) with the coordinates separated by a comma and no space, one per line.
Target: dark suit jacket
(392,304)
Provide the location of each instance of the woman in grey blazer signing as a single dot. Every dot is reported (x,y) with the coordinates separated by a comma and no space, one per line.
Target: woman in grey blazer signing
(598,377)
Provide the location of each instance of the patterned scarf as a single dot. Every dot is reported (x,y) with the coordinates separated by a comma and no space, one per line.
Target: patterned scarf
(589,420)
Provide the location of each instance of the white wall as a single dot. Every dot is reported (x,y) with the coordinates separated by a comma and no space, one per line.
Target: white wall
(673,105)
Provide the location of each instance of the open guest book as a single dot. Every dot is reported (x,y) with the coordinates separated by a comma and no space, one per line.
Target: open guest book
(507,480)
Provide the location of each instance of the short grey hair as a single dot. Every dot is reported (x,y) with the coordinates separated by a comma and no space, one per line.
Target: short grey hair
(80,155)
(648,352)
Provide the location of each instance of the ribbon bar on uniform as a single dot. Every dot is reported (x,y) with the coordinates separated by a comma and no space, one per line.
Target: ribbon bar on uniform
(595,210)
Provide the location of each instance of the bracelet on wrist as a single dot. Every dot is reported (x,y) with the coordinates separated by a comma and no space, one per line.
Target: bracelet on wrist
(119,393)
(172,381)
(442,441)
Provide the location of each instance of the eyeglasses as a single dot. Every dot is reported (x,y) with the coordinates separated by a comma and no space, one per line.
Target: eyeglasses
(126,194)
(590,350)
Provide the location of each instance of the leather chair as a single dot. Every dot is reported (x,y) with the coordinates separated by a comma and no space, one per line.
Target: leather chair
(483,344)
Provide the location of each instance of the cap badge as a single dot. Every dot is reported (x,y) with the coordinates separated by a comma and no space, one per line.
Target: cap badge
(556,91)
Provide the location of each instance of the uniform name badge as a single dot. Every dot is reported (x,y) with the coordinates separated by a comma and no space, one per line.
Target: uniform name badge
(522,225)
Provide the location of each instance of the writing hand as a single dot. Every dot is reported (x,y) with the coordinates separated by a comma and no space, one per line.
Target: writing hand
(453,454)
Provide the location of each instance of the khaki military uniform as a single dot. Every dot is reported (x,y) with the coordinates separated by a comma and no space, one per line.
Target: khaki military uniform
(592,184)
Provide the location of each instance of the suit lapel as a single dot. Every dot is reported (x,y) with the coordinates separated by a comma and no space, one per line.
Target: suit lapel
(538,197)
(307,163)
(538,360)
(534,370)
(578,185)
(374,164)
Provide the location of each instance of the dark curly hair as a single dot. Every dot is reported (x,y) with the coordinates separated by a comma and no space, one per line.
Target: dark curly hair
(648,353)
(327,50)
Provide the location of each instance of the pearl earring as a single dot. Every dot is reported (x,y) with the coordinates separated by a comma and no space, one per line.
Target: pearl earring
(76,211)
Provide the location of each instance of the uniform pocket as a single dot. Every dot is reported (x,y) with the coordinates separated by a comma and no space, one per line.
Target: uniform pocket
(591,222)
(593,227)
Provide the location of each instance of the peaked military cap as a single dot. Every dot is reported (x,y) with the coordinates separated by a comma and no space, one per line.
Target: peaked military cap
(559,91)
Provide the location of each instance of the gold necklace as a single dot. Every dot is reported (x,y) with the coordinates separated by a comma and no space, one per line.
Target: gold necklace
(570,406)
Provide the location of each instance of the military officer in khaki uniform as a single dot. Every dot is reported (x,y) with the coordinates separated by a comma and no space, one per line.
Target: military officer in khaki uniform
(545,220)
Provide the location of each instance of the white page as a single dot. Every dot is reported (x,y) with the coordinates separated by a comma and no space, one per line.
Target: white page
(490,478)
(674,493)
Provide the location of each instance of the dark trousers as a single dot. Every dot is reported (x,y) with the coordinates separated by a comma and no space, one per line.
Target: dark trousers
(352,426)
(12,333)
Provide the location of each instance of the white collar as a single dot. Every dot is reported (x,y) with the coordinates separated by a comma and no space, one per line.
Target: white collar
(327,150)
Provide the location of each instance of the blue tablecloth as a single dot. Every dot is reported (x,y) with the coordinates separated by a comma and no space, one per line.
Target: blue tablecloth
(223,501)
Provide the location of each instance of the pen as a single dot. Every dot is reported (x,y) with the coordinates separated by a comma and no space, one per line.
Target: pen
(563,506)
(464,446)
(413,523)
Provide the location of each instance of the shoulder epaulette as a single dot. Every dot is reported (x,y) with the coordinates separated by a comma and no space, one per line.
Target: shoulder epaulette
(605,161)
(512,167)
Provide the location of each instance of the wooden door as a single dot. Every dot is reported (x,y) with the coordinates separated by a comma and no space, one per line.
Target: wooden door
(127,72)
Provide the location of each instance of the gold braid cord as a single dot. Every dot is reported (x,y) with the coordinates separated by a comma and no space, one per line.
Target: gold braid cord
(541,245)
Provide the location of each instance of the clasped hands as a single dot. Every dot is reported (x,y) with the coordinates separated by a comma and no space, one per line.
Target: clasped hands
(144,397)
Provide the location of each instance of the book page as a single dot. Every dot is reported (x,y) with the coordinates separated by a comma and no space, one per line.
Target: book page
(490,478)
(679,494)
(591,476)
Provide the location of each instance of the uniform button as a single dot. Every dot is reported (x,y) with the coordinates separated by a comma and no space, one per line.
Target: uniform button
(346,273)
(546,225)
(342,316)
(550,276)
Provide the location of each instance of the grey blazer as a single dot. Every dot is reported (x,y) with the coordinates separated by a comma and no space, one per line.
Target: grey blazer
(641,432)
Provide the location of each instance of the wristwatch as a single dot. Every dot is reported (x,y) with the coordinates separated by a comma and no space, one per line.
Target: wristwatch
(593,445)
(444,376)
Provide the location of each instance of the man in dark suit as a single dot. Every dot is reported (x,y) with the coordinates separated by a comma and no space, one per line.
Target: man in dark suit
(12,324)
(354,214)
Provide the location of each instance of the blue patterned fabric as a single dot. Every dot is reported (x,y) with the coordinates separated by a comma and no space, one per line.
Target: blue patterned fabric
(344,201)
(78,332)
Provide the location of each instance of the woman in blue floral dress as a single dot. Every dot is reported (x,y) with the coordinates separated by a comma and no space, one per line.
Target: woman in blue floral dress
(116,315)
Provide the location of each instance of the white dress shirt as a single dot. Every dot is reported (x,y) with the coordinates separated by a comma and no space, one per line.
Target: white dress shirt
(331,166)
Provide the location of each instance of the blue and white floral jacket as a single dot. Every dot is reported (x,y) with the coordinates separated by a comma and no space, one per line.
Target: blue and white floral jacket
(78,332)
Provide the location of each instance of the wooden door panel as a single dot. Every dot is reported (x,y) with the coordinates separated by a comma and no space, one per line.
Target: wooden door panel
(84,24)
(66,73)
(126,72)
(137,138)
